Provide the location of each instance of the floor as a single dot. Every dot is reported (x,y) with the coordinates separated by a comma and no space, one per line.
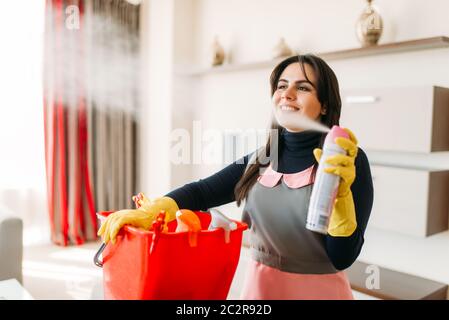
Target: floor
(51,272)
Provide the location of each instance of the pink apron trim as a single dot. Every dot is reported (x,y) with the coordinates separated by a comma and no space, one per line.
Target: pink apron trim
(270,178)
(265,283)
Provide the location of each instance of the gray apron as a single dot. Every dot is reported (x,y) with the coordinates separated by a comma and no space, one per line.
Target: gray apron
(276,217)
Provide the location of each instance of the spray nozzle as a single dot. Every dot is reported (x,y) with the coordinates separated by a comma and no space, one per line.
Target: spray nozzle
(219,220)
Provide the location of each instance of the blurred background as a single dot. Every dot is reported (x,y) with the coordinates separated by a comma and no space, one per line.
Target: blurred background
(97,93)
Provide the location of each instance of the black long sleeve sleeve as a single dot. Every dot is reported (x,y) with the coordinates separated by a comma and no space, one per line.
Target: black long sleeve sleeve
(343,251)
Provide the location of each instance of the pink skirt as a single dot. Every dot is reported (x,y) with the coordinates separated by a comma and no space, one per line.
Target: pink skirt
(266,283)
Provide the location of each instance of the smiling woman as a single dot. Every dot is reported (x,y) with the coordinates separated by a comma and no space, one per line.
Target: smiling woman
(290,261)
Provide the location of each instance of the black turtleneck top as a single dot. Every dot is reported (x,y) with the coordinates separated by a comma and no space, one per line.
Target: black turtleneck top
(295,155)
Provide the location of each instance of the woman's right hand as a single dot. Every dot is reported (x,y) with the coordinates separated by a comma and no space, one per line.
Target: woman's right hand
(142,217)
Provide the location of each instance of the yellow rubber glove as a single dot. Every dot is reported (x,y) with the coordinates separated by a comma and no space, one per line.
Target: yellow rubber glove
(142,217)
(343,219)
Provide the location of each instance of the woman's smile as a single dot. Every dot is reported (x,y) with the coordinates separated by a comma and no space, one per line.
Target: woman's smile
(289,108)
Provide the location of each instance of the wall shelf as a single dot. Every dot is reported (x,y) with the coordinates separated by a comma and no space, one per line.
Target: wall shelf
(387,48)
(434,161)
(395,285)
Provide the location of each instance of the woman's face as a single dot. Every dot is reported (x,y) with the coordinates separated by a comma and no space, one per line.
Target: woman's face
(296,96)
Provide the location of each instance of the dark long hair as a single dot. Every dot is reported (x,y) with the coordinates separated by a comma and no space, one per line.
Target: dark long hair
(328,95)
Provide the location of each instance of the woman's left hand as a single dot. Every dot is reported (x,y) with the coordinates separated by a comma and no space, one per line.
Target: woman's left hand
(343,220)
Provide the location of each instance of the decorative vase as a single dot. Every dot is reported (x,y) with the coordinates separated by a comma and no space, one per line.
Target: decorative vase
(218,54)
(282,49)
(369,26)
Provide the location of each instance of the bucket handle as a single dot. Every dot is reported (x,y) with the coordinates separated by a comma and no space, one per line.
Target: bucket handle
(97,261)
(158,226)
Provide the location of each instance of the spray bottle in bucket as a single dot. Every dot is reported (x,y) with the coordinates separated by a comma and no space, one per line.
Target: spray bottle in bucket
(326,184)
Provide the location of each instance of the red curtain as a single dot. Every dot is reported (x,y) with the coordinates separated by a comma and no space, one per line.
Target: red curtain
(91,101)
(70,197)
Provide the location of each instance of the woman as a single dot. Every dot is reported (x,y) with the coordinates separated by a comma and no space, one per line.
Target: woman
(288,260)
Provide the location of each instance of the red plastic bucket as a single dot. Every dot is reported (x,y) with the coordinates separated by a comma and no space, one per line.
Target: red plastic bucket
(173,270)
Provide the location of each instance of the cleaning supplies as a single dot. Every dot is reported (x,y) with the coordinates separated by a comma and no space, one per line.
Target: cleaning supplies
(157,227)
(173,270)
(343,220)
(326,184)
(159,204)
(142,217)
(219,220)
(188,221)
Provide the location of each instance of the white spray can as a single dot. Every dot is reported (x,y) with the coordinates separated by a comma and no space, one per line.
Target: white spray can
(326,185)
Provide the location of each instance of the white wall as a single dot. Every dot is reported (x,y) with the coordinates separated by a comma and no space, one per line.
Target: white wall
(250,28)
(157,87)
(22,160)
(184,90)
